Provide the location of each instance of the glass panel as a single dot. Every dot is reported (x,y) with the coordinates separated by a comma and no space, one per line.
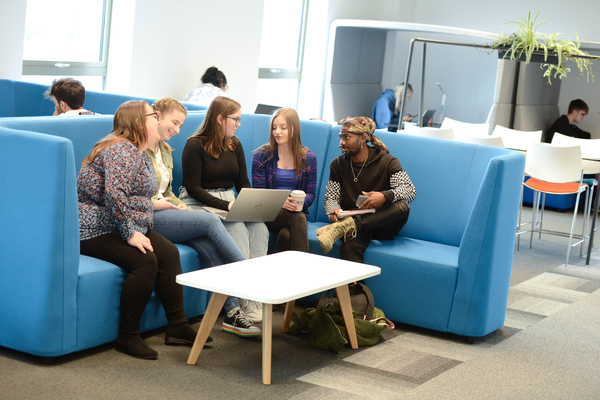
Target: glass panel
(277,92)
(64,30)
(95,83)
(281,30)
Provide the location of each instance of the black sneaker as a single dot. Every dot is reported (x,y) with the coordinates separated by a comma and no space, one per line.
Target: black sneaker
(239,324)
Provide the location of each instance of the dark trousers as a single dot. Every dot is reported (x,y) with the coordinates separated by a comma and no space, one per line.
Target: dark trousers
(382,225)
(145,272)
(291,230)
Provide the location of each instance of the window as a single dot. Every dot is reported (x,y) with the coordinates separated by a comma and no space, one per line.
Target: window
(66,38)
(281,51)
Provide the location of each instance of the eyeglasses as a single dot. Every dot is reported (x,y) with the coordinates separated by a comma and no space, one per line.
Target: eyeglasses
(237,120)
(154,114)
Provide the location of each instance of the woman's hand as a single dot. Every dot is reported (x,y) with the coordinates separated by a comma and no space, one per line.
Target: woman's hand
(230,205)
(140,241)
(288,205)
(182,207)
(163,204)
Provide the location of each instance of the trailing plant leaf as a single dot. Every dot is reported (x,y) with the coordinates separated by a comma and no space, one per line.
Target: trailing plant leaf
(527,40)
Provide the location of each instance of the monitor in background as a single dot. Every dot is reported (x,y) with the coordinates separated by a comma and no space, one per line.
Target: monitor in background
(265,109)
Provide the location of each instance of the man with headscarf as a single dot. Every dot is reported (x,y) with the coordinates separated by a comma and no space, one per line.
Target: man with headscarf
(364,170)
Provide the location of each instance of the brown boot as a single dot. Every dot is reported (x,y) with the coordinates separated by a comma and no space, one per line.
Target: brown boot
(337,230)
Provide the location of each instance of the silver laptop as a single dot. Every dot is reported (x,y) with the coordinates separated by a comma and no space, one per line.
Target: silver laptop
(254,205)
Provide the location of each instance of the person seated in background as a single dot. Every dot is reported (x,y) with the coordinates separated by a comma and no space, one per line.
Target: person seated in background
(114,188)
(284,163)
(387,108)
(372,172)
(68,95)
(214,83)
(565,124)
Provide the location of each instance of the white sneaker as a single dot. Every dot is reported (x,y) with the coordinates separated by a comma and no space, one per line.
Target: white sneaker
(252,309)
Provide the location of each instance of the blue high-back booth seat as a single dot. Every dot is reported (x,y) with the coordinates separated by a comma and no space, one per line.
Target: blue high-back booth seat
(448,269)
(26,99)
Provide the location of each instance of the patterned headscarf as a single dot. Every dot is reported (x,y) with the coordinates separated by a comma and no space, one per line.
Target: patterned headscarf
(363,126)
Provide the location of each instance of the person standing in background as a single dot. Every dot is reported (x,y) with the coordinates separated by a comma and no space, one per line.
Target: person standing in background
(214,83)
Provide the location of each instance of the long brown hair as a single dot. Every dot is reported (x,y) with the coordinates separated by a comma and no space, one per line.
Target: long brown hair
(128,124)
(298,150)
(165,106)
(211,133)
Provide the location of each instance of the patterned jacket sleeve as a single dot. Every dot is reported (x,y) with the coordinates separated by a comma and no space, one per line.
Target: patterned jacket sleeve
(402,187)
(259,169)
(311,184)
(128,209)
(333,190)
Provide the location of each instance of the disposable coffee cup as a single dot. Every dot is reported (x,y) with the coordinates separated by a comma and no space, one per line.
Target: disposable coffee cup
(298,199)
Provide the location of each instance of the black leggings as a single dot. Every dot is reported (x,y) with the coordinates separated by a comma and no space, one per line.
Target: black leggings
(291,230)
(145,272)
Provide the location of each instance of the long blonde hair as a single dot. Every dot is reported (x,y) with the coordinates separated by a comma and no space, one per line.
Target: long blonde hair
(295,142)
(211,133)
(165,106)
(399,92)
(128,124)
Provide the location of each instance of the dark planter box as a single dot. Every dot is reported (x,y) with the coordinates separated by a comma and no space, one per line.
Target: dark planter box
(537,56)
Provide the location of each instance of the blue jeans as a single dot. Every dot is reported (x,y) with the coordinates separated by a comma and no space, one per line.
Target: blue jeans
(251,237)
(205,233)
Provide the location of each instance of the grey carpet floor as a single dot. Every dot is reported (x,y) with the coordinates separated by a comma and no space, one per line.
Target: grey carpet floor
(547,349)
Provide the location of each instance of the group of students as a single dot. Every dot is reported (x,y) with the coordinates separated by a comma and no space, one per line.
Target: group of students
(130,216)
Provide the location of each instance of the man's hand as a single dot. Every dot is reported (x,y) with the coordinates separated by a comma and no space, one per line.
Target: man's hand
(375,200)
(333,216)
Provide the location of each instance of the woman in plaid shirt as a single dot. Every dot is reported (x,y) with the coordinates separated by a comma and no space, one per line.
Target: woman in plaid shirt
(284,163)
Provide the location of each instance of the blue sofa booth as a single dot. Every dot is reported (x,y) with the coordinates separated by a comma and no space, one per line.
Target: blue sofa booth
(448,269)
(26,99)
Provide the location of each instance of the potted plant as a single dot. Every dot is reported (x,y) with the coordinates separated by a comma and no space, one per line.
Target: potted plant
(528,44)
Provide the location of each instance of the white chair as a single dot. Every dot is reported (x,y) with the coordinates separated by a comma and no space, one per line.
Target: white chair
(466,128)
(590,152)
(484,140)
(515,139)
(437,133)
(556,170)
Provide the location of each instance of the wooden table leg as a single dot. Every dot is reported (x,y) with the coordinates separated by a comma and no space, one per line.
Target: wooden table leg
(287,315)
(343,295)
(267,329)
(208,321)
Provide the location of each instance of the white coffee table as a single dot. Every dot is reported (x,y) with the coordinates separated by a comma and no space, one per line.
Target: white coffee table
(275,279)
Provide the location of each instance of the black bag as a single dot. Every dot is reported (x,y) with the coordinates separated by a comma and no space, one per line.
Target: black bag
(361,299)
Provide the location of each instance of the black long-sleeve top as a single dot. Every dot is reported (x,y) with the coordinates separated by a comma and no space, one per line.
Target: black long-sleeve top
(564,126)
(201,171)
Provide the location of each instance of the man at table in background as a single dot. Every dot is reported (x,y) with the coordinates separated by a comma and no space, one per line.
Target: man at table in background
(68,95)
(565,124)
(364,170)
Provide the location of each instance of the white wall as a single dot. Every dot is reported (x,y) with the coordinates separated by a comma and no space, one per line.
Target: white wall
(12,31)
(171,47)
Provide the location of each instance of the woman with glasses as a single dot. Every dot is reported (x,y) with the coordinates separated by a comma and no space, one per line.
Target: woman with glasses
(213,164)
(214,83)
(115,187)
(284,163)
